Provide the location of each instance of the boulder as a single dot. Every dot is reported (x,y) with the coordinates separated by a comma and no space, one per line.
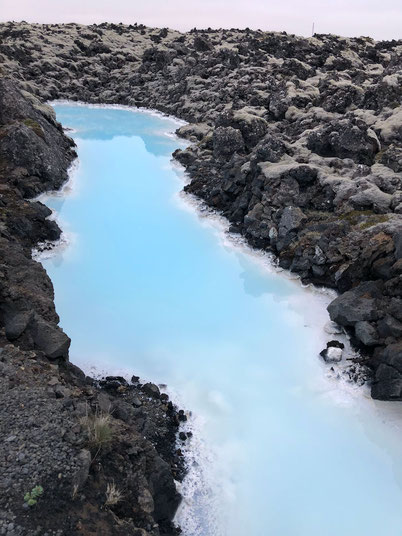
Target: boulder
(392,157)
(269,149)
(146,501)
(296,67)
(114,383)
(252,126)
(16,324)
(332,354)
(291,219)
(390,327)
(387,383)
(344,139)
(50,338)
(165,496)
(372,198)
(157,58)
(84,463)
(366,333)
(279,102)
(151,390)
(197,131)
(104,403)
(357,304)
(201,44)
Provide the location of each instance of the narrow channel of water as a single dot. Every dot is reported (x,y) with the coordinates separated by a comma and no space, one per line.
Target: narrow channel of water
(146,285)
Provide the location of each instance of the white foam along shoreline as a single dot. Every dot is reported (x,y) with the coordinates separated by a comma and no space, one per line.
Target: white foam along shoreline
(47,249)
(125,107)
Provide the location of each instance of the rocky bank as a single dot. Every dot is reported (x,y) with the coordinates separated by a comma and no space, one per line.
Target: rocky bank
(101,455)
(297,142)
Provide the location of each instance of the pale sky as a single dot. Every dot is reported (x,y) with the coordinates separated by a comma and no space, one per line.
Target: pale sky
(381,19)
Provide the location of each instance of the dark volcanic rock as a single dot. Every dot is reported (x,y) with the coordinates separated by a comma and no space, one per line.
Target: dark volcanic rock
(356,305)
(33,147)
(151,390)
(50,339)
(388,378)
(366,333)
(15,325)
(226,141)
(344,139)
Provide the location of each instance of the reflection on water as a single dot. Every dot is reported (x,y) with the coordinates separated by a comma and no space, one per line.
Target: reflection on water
(146,286)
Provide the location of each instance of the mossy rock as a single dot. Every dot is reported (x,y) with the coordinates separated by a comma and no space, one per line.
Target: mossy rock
(354,217)
(35,127)
(363,218)
(374,220)
(379,155)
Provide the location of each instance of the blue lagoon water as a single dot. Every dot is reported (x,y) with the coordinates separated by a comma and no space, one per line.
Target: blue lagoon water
(146,285)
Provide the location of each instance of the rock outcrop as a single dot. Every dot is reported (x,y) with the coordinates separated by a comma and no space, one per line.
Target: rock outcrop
(35,156)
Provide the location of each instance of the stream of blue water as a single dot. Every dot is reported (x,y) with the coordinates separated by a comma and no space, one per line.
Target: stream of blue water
(147,285)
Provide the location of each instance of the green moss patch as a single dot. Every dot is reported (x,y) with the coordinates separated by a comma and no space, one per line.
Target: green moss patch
(373,220)
(35,127)
(363,218)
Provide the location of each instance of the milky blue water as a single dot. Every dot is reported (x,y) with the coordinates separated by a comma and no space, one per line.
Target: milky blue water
(146,285)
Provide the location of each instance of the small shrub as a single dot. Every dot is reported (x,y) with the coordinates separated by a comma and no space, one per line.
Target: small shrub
(113,495)
(31,498)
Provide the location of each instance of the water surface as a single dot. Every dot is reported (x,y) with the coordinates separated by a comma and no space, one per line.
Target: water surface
(148,286)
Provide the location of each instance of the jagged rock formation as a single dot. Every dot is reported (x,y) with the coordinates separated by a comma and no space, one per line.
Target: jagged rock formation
(298,143)
(34,157)
(51,429)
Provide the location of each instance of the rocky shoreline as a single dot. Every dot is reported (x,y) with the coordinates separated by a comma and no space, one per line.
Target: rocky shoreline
(103,454)
(297,142)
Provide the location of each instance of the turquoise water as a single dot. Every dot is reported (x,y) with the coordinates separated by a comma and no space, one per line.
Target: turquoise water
(147,285)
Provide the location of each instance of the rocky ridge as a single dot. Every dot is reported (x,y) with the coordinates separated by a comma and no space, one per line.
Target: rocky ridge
(102,453)
(296,141)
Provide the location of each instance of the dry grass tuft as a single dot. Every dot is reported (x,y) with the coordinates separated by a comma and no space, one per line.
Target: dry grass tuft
(99,429)
(113,495)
